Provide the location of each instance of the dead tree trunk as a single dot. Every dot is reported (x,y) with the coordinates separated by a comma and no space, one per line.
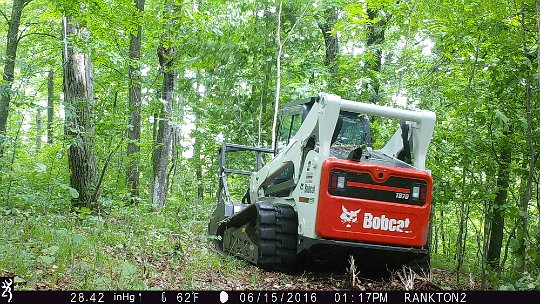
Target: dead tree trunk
(50,107)
(12,41)
(79,123)
(134,131)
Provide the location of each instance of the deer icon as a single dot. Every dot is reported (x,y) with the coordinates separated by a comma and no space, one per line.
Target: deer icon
(349,216)
(6,285)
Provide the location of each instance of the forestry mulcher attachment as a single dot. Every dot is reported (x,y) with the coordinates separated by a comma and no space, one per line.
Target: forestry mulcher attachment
(327,194)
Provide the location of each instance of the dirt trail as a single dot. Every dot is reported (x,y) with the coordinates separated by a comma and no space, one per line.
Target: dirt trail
(321,280)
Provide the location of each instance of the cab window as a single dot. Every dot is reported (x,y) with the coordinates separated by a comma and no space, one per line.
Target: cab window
(289,124)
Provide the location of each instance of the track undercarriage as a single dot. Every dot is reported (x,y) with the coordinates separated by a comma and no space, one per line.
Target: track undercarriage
(264,234)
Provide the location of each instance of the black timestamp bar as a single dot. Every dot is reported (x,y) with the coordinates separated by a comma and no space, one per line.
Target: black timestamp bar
(9,295)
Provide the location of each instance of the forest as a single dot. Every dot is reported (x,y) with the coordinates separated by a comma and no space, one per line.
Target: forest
(112,113)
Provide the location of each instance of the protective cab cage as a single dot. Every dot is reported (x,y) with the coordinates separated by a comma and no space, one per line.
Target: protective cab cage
(224,195)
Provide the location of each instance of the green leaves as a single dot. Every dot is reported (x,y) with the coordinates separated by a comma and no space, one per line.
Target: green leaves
(128,270)
(47,256)
(45,259)
(40,167)
(78,239)
(72,191)
(51,250)
(501,117)
(19,280)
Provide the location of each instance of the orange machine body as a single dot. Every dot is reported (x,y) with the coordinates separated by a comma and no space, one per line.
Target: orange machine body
(371,203)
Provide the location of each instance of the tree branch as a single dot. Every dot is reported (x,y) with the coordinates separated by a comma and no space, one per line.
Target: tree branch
(105,166)
(40,34)
(25,3)
(495,154)
(304,11)
(4,15)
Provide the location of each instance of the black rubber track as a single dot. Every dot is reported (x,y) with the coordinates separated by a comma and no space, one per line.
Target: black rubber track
(276,233)
(277,236)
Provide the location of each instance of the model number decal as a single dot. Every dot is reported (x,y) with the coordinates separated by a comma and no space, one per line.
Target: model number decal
(402,195)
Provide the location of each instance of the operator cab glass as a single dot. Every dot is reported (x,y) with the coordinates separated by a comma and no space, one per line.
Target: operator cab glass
(352,133)
(290,121)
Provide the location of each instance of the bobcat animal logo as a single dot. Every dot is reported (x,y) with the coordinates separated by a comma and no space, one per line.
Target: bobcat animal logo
(349,216)
(6,285)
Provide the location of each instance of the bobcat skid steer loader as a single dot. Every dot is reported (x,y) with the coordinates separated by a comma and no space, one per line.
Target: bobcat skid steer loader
(327,194)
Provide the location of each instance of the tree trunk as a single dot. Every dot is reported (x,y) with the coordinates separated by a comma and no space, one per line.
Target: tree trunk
(198,165)
(331,44)
(374,42)
(155,125)
(79,123)
(278,76)
(50,107)
(485,245)
(155,116)
(443,238)
(162,148)
(526,192)
(177,149)
(431,233)
(537,10)
(462,232)
(198,169)
(39,125)
(12,41)
(134,131)
(526,189)
(497,219)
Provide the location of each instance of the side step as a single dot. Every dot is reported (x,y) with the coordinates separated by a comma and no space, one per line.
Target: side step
(264,234)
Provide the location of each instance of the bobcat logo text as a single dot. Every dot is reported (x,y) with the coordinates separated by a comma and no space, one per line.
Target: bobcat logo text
(370,221)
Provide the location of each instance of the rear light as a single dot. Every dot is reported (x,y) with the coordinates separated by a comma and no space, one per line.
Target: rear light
(337,181)
(423,191)
(418,192)
(415,193)
(333,183)
(341,182)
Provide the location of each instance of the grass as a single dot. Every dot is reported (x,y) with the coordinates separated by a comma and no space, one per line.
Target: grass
(134,247)
(125,247)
